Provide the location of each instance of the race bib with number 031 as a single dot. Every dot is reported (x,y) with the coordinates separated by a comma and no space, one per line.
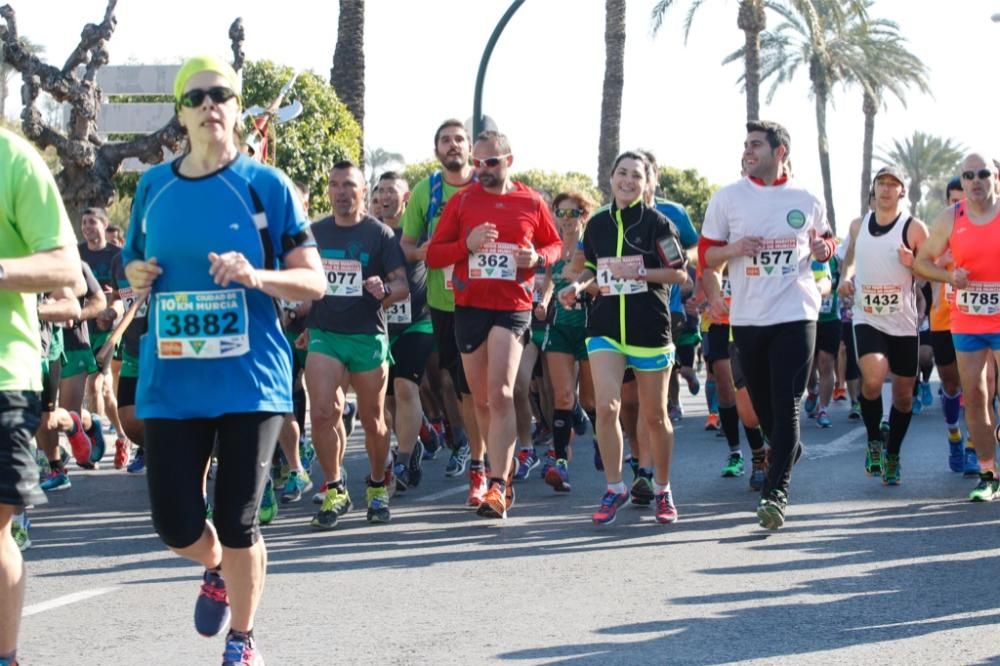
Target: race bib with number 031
(979,298)
(202,324)
(612,286)
(343,277)
(399,312)
(494,261)
(881,299)
(127,294)
(778,258)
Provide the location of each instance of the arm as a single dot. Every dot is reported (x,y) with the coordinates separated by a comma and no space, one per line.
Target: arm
(43,271)
(846,288)
(399,288)
(59,306)
(935,245)
(445,247)
(410,249)
(916,234)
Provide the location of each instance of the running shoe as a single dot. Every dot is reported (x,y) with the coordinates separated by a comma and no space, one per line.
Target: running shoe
(509,494)
(19,527)
(839,394)
(335,504)
(855,413)
(241,650)
(694,386)
(477,487)
(350,409)
(121,453)
(138,464)
(280,473)
(298,484)
(494,504)
(550,461)
(610,503)
(268,504)
(926,397)
(891,470)
(415,469)
(78,441)
(712,422)
(56,481)
(873,458)
(987,490)
(580,420)
(956,455)
(823,419)
(431,439)
(402,476)
(642,490)
(307,454)
(734,466)
(675,413)
(458,461)
(917,406)
(378,504)
(666,512)
(598,462)
(541,436)
(810,404)
(211,611)
(771,510)
(970,465)
(97,442)
(320,495)
(884,429)
(557,476)
(758,472)
(527,460)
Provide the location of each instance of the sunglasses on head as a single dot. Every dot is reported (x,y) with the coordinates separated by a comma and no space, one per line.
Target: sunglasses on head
(192,99)
(489,161)
(984,174)
(568,212)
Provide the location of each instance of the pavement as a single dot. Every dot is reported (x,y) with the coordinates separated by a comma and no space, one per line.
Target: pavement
(862,573)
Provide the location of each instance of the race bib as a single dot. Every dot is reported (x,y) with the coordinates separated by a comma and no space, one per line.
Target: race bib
(979,298)
(448,272)
(202,324)
(343,277)
(494,261)
(127,294)
(538,289)
(881,299)
(612,286)
(826,305)
(399,312)
(726,288)
(778,258)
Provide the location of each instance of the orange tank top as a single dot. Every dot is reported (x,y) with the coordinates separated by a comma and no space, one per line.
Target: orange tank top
(940,318)
(975,247)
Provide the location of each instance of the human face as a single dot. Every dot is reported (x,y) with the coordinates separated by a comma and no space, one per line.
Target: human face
(888,192)
(115,238)
(94,230)
(493,177)
(211,122)
(954,196)
(347,190)
(569,225)
(452,148)
(978,189)
(759,159)
(390,198)
(628,181)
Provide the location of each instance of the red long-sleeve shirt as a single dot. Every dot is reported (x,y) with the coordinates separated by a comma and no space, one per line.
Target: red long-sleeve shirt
(521,218)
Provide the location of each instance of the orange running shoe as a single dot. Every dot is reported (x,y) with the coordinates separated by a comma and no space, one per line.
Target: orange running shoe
(477,487)
(494,504)
(839,394)
(712,422)
(121,453)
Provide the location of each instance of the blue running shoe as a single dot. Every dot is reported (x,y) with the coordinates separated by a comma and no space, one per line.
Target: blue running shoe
(970,466)
(527,460)
(925,394)
(458,461)
(557,476)
(307,453)
(138,463)
(431,439)
(241,650)
(56,481)
(550,461)
(97,443)
(610,503)
(580,421)
(810,404)
(823,419)
(917,406)
(956,453)
(211,611)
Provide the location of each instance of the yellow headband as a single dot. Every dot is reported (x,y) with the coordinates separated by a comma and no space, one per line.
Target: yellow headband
(207,63)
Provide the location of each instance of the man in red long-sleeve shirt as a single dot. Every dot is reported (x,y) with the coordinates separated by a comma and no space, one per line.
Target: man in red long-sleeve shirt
(496,233)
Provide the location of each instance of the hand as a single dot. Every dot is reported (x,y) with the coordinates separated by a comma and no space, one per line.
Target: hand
(747,246)
(541,310)
(526,257)
(375,287)
(230,267)
(105,319)
(484,233)
(567,296)
(302,342)
(717,308)
(846,289)
(960,278)
(905,255)
(141,274)
(818,247)
(691,306)
(422,251)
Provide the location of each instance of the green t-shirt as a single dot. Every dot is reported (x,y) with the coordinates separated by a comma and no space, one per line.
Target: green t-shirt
(577,316)
(32,219)
(829,307)
(414,224)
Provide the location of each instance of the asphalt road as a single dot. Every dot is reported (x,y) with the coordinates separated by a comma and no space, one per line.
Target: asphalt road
(861,573)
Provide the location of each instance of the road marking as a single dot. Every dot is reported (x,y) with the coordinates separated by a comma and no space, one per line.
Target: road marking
(66,600)
(843,444)
(444,493)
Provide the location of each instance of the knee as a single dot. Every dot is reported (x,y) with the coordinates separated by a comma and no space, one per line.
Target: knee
(500,397)
(234,531)
(176,527)
(609,409)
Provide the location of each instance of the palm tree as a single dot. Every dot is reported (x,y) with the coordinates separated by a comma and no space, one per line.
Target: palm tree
(377,160)
(925,159)
(348,73)
(752,20)
(611,98)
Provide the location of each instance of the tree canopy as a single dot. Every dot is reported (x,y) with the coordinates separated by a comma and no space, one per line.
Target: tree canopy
(688,188)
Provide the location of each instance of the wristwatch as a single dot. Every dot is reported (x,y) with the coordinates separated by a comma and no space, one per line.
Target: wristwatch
(642,272)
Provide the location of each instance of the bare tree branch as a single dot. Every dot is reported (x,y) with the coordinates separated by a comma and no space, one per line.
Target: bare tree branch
(237,35)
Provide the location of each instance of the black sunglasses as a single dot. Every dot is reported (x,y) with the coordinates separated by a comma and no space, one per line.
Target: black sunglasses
(192,99)
(568,212)
(984,174)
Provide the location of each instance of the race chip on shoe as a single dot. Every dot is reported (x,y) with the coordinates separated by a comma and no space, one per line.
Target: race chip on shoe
(610,285)
(777,258)
(202,324)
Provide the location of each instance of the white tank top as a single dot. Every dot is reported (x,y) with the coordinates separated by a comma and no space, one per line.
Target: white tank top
(884,296)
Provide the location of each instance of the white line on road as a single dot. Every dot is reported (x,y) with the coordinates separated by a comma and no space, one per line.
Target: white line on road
(842,444)
(444,493)
(66,600)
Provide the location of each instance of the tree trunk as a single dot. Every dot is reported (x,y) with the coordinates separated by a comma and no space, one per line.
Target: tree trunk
(824,155)
(348,73)
(752,21)
(870,108)
(611,99)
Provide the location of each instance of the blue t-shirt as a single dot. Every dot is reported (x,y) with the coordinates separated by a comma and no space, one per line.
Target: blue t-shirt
(211,350)
(688,237)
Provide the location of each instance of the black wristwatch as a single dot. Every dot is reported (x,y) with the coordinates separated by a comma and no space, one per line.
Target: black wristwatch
(386,289)
(540,262)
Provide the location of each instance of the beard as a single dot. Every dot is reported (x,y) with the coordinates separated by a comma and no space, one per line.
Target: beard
(452,162)
(487,179)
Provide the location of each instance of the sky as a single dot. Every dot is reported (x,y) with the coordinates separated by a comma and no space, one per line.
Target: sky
(544,82)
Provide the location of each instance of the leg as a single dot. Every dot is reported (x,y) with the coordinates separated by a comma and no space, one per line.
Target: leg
(370,388)
(653,388)
(324,375)
(610,367)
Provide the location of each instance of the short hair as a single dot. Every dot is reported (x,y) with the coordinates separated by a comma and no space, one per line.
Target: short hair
(395,177)
(630,155)
(953,185)
(345,164)
(500,139)
(583,201)
(97,212)
(115,228)
(451,122)
(777,135)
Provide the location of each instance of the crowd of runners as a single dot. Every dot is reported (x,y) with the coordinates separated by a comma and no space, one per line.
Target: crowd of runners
(472,318)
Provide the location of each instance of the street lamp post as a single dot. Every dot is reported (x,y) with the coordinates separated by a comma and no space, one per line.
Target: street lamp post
(477,103)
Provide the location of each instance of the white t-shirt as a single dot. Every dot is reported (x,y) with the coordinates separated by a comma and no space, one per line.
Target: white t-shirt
(884,295)
(777,284)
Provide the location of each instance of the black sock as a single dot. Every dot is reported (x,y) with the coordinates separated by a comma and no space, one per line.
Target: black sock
(299,408)
(56,465)
(757,455)
(562,426)
(871,414)
(476,465)
(899,423)
(730,425)
(338,485)
(645,473)
(240,634)
(499,482)
(592,415)
(755,438)
(372,483)
(925,373)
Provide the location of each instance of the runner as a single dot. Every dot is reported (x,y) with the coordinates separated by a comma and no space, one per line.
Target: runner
(633,252)
(206,235)
(880,251)
(346,331)
(966,229)
(828,329)
(128,378)
(496,233)
(38,255)
(775,298)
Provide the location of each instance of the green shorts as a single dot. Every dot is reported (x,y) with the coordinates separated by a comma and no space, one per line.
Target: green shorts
(359,352)
(76,361)
(130,365)
(640,359)
(97,340)
(566,340)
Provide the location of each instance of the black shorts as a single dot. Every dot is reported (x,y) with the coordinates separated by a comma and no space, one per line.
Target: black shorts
(126,391)
(444,337)
(50,386)
(944,348)
(177,455)
(739,380)
(828,337)
(925,338)
(410,352)
(685,356)
(718,343)
(902,351)
(473,325)
(20,416)
(851,371)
